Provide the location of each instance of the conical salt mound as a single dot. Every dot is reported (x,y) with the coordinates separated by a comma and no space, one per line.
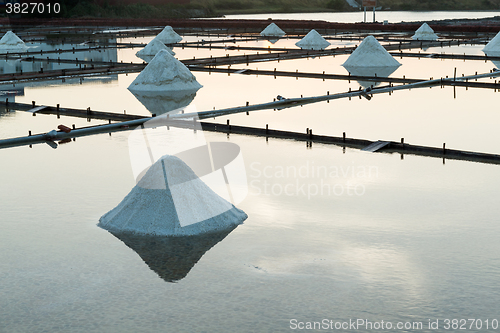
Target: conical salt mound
(11,43)
(272,30)
(165,73)
(425,32)
(170,200)
(492,46)
(168,36)
(152,49)
(313,41)
(370,54)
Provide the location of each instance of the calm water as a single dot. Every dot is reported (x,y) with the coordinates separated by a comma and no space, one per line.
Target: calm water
(390,16)
(331,234)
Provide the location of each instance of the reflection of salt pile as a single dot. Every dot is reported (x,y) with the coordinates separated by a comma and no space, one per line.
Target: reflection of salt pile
(371,71)
(371,59)
(272,30)
(313,41)
(150,209)
(425,32)
(168,36)
(153,47)
(165,73)
(161,102)
(11,43)
(172,257)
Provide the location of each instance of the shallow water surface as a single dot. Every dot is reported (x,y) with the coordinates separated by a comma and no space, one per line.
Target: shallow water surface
(333,234)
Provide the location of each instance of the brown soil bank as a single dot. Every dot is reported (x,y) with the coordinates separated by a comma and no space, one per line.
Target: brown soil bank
(460,25)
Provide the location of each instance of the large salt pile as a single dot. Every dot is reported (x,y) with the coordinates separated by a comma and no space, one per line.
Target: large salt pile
(493,45)
(11,43)
(165,73)
(492,49)
(370,54)
(168,36)
(170,200)
(425,32)
(272,30)
(147,53)
(370,59)
(313,41)
(172,257)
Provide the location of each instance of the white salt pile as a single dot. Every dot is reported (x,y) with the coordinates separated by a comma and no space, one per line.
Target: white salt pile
(11,43)
(168,36)
(370,54)
(313,41)
(153,47)
(164,73)
(272,30)
(493,45)
(425,32)
(170,200)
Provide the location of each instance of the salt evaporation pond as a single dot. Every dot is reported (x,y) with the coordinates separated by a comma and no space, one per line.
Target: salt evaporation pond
(331,234)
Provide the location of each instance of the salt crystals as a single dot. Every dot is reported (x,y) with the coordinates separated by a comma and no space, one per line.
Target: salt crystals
(165,197)
(11,43)
(168,36)
(313,41)
(165,73)
(272,30)
(425,32)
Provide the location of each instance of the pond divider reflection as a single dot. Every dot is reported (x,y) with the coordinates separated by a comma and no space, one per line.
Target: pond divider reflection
(186,121)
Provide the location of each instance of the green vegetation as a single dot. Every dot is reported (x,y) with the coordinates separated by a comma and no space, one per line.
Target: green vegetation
(208,8)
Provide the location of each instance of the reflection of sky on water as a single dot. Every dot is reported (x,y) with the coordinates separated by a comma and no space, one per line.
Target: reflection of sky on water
(417,240)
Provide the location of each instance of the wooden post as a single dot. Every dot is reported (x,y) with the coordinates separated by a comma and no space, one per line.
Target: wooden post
(444,148)
(343,137)
(267,128)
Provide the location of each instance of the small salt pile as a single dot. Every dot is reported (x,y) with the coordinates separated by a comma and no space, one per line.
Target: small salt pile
(425,32)
(11,43)
(147,53)
(370,54)
(168,36)
(170,200)
(313,41)
(493,45)
(492,49)
(165,73)
(272,30)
